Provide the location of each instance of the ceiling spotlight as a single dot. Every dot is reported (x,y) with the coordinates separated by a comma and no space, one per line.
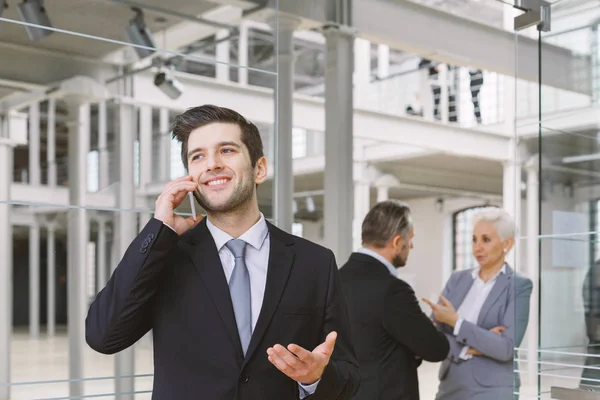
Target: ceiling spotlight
(33,12)
(168,84)
(3,6)
(139,34)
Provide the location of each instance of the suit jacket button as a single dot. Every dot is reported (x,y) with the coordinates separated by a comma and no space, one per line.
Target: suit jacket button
(245,379)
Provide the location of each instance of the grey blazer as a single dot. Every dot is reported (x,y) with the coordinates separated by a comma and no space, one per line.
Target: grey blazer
(507,305)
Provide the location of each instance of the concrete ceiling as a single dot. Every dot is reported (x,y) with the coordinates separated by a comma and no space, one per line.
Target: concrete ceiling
(487,12)
(102,18)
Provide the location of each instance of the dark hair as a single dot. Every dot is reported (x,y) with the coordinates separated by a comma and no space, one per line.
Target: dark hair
(194,118)
(384,221)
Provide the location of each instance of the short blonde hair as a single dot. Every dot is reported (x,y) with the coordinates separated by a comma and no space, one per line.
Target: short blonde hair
(502,221)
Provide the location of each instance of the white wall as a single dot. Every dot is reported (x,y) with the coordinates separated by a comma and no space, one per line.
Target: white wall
(562,318)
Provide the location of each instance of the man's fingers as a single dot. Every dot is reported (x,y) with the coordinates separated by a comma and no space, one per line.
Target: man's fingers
(288,357)
(176,181)
(282,362)
(178,191)
(300,352)
(430,303)
(445,301)
(330,342)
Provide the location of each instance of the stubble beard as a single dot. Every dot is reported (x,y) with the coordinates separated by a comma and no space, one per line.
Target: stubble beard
(239,199)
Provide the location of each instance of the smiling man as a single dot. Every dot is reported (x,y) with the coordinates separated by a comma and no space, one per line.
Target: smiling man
(239,309)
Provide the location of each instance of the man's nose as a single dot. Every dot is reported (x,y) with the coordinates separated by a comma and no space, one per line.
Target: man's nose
(213,162)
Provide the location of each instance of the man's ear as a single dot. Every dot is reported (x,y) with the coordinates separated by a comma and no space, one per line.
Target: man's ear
(397,242)
(260,171)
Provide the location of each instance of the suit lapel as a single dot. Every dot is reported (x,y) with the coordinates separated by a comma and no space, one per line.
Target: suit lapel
(281,258)
(205,256)
(458,295)
(502,282)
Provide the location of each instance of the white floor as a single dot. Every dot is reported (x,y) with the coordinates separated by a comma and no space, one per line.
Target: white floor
(45,359)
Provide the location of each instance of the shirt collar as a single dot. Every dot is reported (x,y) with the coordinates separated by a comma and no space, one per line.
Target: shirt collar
(475,272)
(255,236)
(379,258)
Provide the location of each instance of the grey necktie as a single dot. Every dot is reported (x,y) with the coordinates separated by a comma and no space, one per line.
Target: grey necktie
(239,287)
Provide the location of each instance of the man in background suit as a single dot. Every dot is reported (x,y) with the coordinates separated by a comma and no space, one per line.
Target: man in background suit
(239,309)
(391,333)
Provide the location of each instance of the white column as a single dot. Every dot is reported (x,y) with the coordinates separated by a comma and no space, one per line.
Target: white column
(243,54)
(6,279)
(51,279)
(126,232)
(362,70)
(51,143)
(145,135)
(338,182)
(34,144)
(511,196)
(164,150)
(383,193)
(283,188)
(101,252)
(103,153)
(77,235)
(362,203)
(533,248)
(222,56)
(34,279)
(383,60)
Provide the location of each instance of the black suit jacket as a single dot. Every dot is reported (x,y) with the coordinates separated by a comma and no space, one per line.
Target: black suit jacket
(176,287)
(390,332)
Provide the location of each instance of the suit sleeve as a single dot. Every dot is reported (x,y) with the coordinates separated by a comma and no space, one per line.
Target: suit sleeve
(455,347)
(501,347)
(341,378)
(121,313)
(406,322)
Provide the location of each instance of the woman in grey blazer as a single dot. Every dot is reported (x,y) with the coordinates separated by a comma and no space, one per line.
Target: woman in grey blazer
(484,313)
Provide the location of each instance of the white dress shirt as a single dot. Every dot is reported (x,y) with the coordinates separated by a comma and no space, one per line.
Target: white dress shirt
(256,257)
(471,306)
(379,258)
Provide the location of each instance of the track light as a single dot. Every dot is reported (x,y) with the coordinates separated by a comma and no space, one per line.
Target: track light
(3,6)
(168,84)
(33,12)
(139,34)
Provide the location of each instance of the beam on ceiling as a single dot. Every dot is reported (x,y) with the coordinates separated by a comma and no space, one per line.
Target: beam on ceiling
(182,34)
(406,26)
(39,68)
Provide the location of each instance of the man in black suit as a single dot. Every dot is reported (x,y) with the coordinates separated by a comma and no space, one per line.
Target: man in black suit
(391,334)
(239,309)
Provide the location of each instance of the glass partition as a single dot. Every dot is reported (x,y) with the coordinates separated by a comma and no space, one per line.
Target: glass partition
(98,84)
(560,151)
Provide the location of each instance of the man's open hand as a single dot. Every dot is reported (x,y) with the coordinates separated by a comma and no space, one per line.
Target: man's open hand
(300,364)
